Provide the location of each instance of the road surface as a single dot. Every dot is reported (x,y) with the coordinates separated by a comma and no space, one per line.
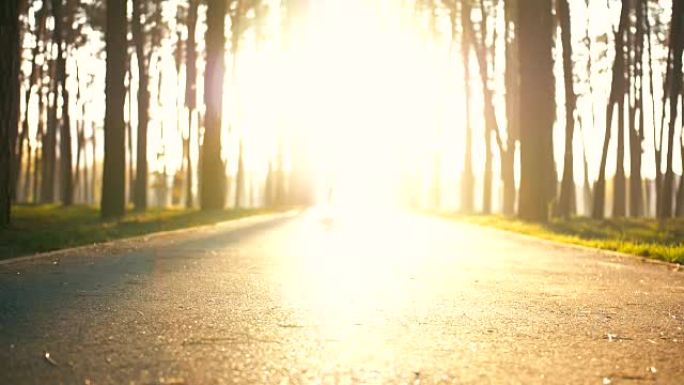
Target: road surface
(308,299)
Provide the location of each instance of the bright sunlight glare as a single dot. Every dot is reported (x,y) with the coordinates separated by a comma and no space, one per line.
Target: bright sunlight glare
(364,125)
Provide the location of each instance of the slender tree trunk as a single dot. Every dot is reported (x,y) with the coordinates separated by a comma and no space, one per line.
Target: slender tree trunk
(676,41)
(657,142)
(491,125)
(33,77)
(67,193)
(537,110)
(620,181)
(78,178)
(566,201)
(467,178)
(268,186)
(487,181)
(38,153)
(240,179)
(637,131)
(129,134)
(586,188)
(114,172)
(50,140)
(17,48)
(511,75)
(188,163)
(140,193)
(213,172)
(93,173)
(86,180)
(190,92)
(598,210)
(9,82)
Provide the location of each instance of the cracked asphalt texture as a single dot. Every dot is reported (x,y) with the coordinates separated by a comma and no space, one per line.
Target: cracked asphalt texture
(312,299)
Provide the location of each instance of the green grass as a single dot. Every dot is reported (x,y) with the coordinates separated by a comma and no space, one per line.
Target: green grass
(39,228)
(637,236)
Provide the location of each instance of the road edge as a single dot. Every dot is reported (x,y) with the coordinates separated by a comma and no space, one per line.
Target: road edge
(235,224)
(673,266)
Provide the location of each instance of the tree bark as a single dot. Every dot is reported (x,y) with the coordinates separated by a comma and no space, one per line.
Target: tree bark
(9,83)
(467,178)
(213,172)
(675,84)
(114,172)
(34,77)
(637,128)
(140,194)
(67,193)
(598,211)
(537,109)
(191,95)
(512,130)
(566,201)
(47,194)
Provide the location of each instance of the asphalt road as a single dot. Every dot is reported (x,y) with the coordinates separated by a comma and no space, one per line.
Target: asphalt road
(390,299)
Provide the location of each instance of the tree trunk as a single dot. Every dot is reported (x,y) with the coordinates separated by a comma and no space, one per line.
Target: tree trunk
(38,153)
(491,125)
(598,211)
(537,109)
(675,84)
(67,193)
(467,178)
(93,173)
(47,193)
(34,78)
(512,130)
(9,82)
(140,193)
(190,92)
(213,172)
(566,201)
(16,47)
(619,183)
(129,136)
(240,179)
(657,139)
(637,127)
(114,172)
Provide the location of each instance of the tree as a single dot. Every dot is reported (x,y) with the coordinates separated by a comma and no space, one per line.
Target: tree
(616,91)
(49,156)
(537,108)
(491,126)
(146,28)
(512,95)
(39,32)
(677,46)
(9,83)
(636,128)
(467,177)
(190,92)
(213,172)
(114,172)
(566,201)
(65,126)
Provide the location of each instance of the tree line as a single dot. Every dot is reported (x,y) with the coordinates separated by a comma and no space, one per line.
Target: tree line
(48,155)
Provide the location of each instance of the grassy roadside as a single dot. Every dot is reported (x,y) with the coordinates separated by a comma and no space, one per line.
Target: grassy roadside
(636,236)
(39,228)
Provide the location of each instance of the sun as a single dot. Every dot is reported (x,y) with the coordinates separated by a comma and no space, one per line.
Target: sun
(360,94)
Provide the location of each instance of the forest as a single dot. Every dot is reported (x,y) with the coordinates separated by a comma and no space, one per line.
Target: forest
(532,110)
